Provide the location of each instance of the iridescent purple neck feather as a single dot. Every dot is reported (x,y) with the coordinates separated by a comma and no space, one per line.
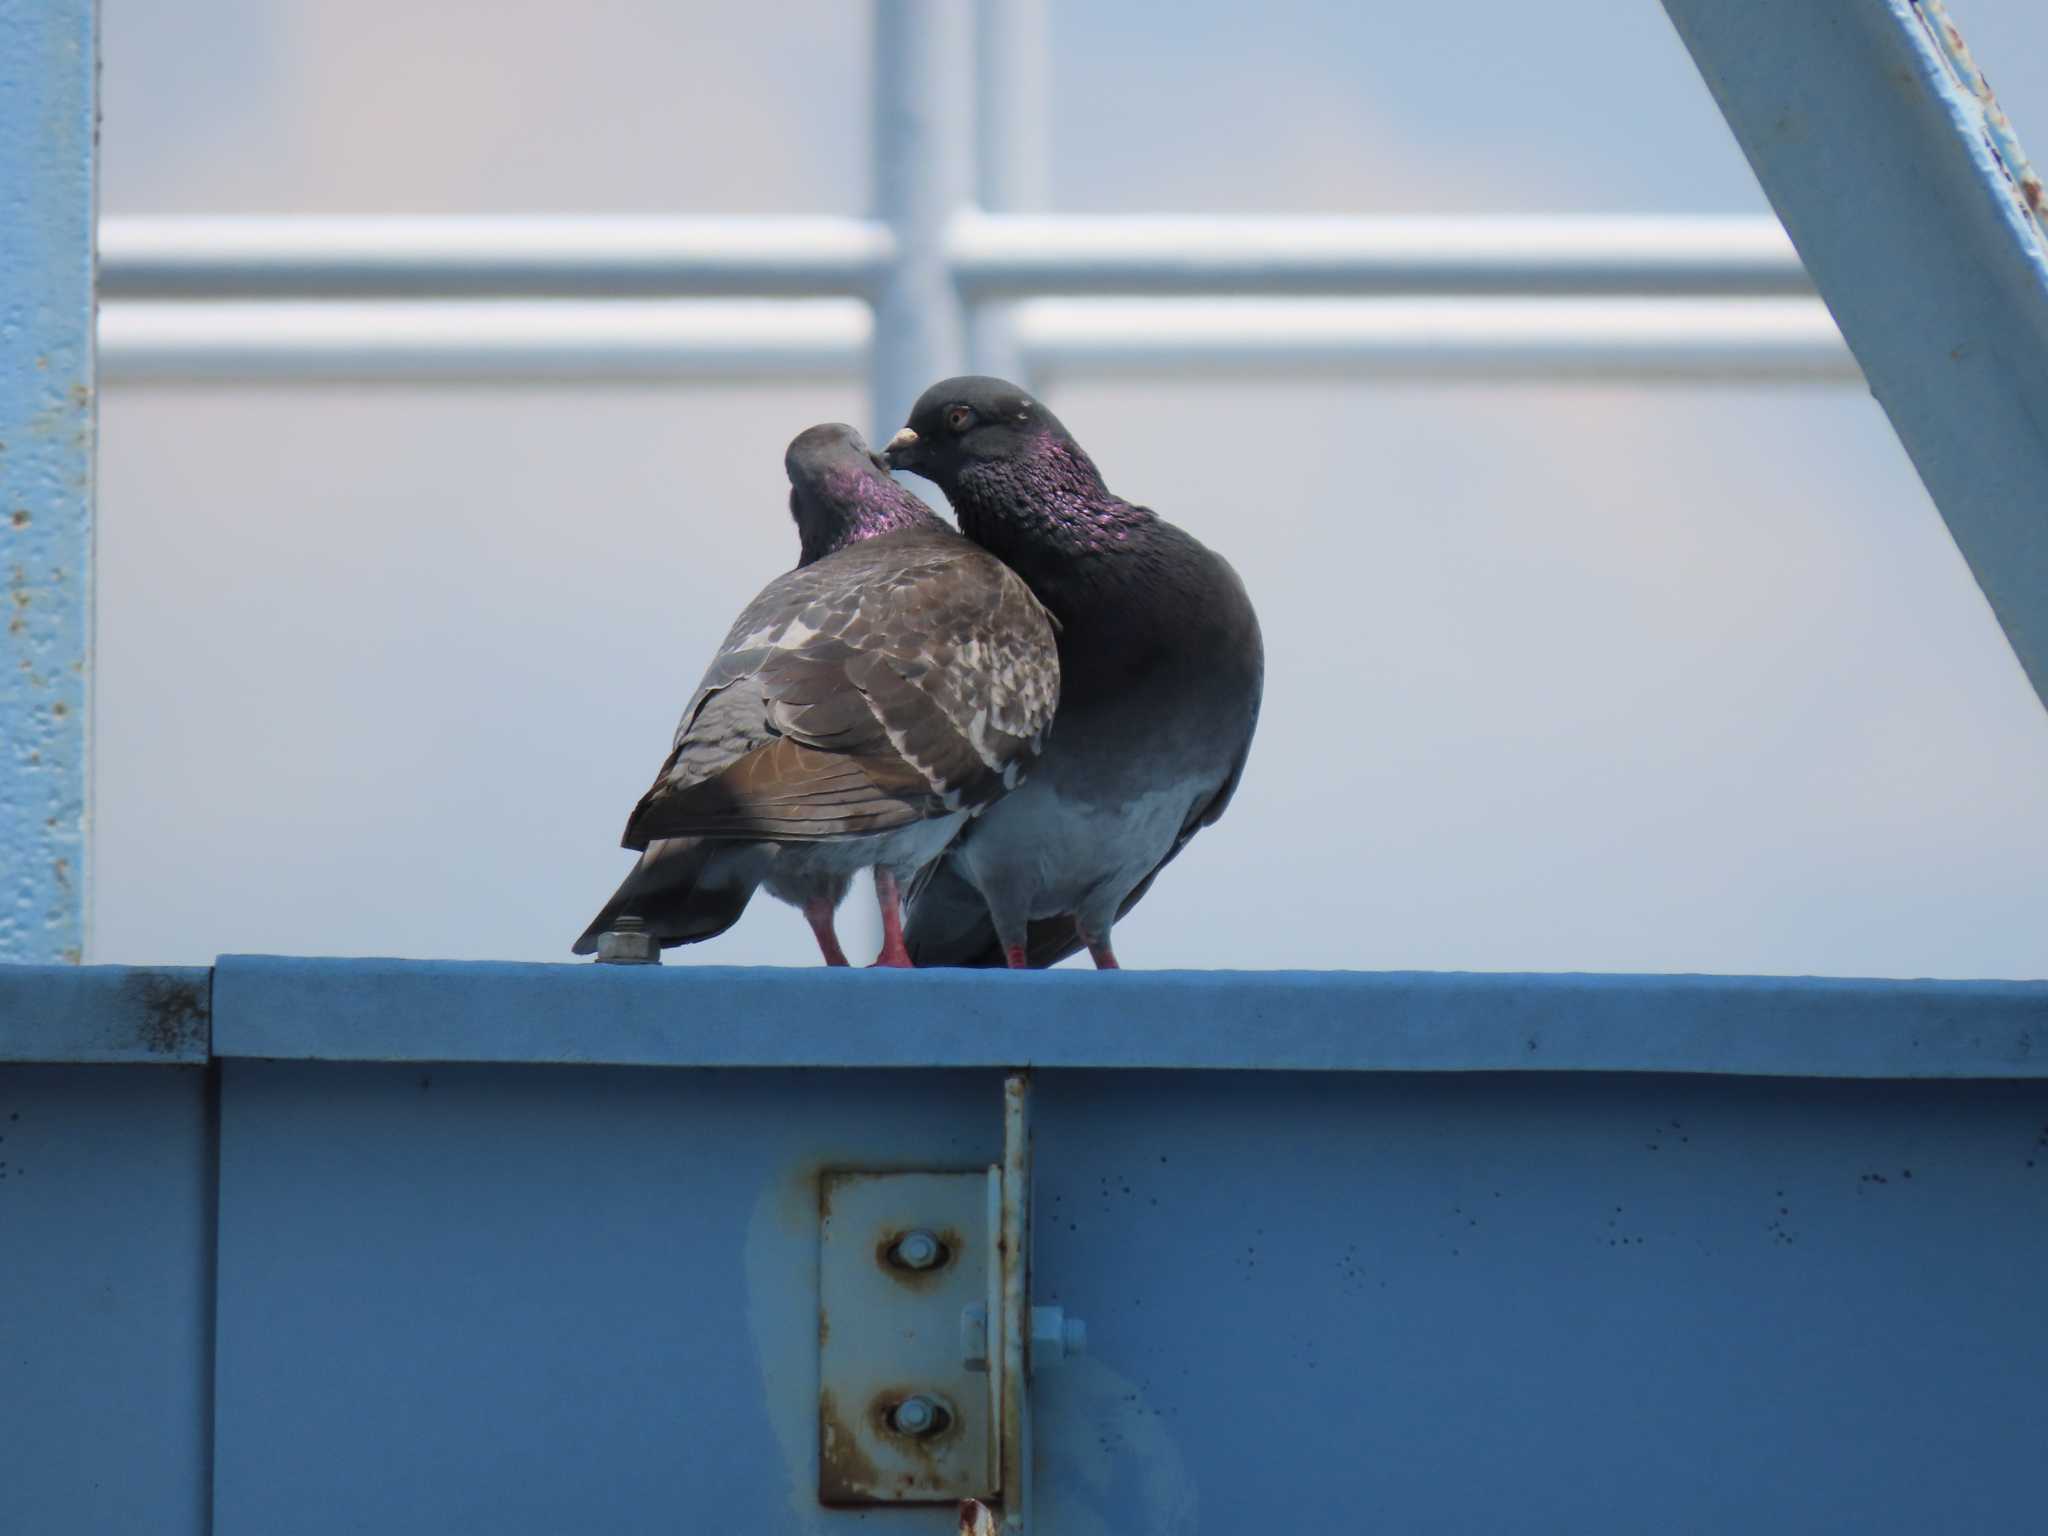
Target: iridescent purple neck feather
(1046,502)
(851,504)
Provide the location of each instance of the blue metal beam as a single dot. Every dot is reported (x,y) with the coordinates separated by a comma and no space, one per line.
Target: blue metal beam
(532,1299)
(48,134)
(1343,1021)
(107,1296)
(1727,1285)
(1882,166)
(106,1014)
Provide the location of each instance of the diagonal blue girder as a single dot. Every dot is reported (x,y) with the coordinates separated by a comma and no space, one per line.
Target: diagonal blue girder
(1881,161)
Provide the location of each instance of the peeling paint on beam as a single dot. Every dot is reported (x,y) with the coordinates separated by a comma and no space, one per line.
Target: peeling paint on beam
(48,129)
(1886,172)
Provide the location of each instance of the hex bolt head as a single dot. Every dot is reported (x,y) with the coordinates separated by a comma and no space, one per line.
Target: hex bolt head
(1055,1336)
(917,1250)
(917,1417)
(627,942)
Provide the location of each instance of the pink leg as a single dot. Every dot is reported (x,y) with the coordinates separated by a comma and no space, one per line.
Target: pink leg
(1101,953)
(893,952)
(1013,956)
(819,915)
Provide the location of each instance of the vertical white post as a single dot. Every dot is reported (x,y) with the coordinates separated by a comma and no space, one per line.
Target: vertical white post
(923,157)
(923,148)
(1012,151)
(49,131)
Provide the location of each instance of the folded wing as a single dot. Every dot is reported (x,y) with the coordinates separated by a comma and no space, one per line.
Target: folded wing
(905,677)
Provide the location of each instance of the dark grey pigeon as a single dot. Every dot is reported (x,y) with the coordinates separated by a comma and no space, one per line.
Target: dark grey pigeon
(1161,671)
(860,710)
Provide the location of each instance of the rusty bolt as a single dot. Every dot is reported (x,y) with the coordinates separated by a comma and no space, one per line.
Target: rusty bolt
(917,1417)
(627,942)
(917,1250)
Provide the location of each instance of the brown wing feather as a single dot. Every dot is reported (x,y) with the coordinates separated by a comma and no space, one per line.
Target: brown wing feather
(788,791)
(902,678)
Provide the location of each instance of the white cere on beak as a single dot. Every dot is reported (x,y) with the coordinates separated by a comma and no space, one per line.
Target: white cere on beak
(904,439)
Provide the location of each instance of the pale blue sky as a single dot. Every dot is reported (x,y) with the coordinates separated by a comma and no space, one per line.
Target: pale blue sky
(1561,678)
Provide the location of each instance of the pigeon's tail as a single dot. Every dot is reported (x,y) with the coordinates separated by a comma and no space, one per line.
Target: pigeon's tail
(948,924)
(684,889)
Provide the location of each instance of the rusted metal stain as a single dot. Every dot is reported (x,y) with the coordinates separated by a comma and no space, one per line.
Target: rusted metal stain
(888,1333)
(846,1472)
(1998,128)
(951,1241)
(931,1477)
(1013,1251)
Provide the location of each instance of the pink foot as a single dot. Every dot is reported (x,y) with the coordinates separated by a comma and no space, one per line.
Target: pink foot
(1013,956)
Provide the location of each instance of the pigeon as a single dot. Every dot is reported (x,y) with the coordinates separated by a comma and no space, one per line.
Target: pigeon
(1161,672)
(860,710)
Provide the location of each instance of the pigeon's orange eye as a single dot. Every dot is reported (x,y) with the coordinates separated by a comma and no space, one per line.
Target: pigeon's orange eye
(959,417)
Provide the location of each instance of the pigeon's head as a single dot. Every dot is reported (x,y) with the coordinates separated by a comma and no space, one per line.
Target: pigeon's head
(960,422)
(840,491)
(822,456)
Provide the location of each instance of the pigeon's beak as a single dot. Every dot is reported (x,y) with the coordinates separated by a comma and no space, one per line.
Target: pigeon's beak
(901,451)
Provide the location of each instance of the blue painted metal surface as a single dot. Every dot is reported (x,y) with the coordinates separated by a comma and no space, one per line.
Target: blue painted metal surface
(514,1300)
(535,1300)
(1749,1254)
(106,1013)
(48,135)
(1542,1304)
(1879,161)
(725,1016)
(106,1299)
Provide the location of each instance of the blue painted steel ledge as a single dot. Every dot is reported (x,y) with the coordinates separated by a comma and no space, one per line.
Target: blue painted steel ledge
(1585,1253)
(111,1014)
(720,1016)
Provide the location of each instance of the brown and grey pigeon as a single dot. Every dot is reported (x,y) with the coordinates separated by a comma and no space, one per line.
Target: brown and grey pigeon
(1161,672)
(861,709)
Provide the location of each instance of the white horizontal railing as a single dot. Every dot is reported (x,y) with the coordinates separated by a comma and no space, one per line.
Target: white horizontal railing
(1646,340)
(481,340)
(594,297)
(1011,255)
(1791,340)
(554,257)
(1601,255)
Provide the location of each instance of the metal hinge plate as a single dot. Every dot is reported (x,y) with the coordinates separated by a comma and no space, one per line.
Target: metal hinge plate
(901,1417)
